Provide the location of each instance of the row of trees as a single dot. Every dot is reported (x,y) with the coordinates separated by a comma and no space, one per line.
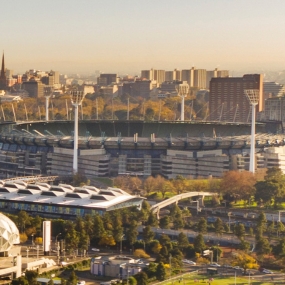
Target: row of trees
(108,108)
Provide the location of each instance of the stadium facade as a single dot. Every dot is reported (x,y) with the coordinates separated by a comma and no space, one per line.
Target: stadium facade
(111,148)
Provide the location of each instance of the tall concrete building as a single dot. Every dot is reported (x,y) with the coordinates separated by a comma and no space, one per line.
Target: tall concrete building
(3,83)
(106,79)
(154,75)
(188,75)
(34,88)
(216,73)
(200,76)
(273,89)
(227,101)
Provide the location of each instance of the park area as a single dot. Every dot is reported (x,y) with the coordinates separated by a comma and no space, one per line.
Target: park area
(189,279)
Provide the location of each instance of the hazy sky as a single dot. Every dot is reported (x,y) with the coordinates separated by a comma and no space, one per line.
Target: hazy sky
(127,36)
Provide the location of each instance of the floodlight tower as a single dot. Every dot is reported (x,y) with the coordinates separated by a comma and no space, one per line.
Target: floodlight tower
(76,100)
(182,91)
(253,98)
(48,90)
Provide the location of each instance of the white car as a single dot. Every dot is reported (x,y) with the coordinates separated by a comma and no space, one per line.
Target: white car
(266,271)
(190,262)
(95,249)
(82,282)
(215,264)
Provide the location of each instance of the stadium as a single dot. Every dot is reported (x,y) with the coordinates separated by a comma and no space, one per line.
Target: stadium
(111,148)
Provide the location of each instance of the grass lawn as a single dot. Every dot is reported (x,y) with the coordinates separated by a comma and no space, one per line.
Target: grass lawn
(217,280)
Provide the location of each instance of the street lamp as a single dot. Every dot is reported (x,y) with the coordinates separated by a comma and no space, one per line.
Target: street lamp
(76,100)
(253,98)
(56,238)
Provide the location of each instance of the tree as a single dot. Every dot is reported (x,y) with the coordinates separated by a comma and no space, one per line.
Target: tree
(148,234)
(72,280)
(245,261)
(107,240)
(182,241)
(160,272)
(20,281)
(98,230)
(199,244)
(261,223)
(164,222)
(202,226)
(149,185)
(273,187)
(152,220)
(239,231)
(132,280)
(141,278)
(262,246)
(31,276)
(23,220)
(131,232)
(238,184)
(50,282)
(218,225)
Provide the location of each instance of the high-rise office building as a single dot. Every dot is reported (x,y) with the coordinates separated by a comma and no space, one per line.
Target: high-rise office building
(3,83)
(106,79)
(188,75)
(215,73)
(227,101)
(154,74)
(200,76)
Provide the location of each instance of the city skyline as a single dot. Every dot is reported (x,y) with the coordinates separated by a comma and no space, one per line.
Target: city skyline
(126,37)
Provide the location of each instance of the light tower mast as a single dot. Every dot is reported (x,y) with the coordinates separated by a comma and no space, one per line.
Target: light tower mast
(182,91)
(253,98)
(48,90)
(76,100)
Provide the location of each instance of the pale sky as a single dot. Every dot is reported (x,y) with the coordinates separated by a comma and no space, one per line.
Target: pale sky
(82,36)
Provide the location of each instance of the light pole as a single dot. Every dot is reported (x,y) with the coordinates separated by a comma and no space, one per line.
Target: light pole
(170,257)
(76,100)
(32,239)
(253,98)
(121,244)
(47,93)
(56,239)
(182,91)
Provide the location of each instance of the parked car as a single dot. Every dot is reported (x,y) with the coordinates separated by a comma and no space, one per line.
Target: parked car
(227,266)
(190,262)
(95,249)
(237,268)
(215,264)
(266,271)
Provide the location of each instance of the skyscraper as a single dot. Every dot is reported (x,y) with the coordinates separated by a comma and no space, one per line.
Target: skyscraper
(3,83)
(227,101)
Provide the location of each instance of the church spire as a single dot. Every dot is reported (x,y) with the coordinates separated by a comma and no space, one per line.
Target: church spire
(3,75)
(3,66)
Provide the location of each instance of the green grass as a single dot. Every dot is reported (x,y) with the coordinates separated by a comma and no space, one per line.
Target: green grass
(217,280)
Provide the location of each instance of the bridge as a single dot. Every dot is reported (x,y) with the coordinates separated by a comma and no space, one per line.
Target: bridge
(33,179)
(156,208)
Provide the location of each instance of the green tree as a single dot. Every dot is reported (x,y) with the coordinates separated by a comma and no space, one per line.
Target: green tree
(261,223)
(244,245)
(141,278)
(152,220)
(132,280)
(98,230)
(50,282)
(160,272)
(199,244)
(148,234)
(132,232)
(202,226)
(72,280)
(164,222)
(20,281)
(239,231)
(262,246)
(279,249)
(218,225)
(31,276)
(23,220)
(182,241)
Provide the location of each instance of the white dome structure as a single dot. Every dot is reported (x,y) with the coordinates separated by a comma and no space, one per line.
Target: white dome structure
(9,233)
